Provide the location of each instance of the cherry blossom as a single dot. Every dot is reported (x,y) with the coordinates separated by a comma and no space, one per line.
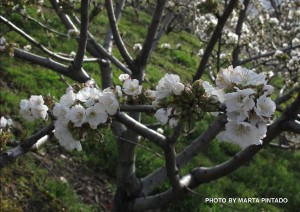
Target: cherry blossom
(131,87)
(96,115)
(77,115)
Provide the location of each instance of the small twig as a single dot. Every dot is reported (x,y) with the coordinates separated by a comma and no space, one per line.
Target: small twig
(139,145)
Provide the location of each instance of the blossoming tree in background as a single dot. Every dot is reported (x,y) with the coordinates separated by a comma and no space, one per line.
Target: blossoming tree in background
(234,35)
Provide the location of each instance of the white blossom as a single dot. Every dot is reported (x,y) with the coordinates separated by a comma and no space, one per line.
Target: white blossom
(241,133)
(265,107)
(168,84)
(96,115)
(132,87)
(39,111)
(137,47)
(150,94)
(118,91)
(3,122)
(36,100)
(178,46)
(65,138)
(246,77)
(77,115)
(25,110)
(241,100)
(27,48)
(124,77)
(110,102)
(34,108)
(61,112)
(68,99)
(165,46)
(223,79)
(173,122)
(162,115)
(72,33)
(210,90)
(178,88)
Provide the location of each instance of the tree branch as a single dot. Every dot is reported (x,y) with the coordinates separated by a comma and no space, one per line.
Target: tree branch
(93,46)
(142,58)
(137,108)
(25,146)
(141,129)
(82,42)
(167,20)
(238,31)
(46,27)
(214,39)
(171,166)
(116,35)
(33,41)
(157,177)
(268,54)
(51,64)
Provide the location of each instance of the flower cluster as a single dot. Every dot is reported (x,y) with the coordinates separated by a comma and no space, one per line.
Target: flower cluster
(169,85)
(5,124)
(5,133)
(175,101)
(86,109)
(133,92)
(34,108)
(249,107)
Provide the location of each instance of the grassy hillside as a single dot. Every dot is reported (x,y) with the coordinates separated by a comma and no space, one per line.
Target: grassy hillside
(55,180)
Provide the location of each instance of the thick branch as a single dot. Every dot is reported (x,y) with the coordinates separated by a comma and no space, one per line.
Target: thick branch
(137,108)
(51,64)
(141,129)
(116,35)
(167,20)
(154,179)
(25,146)
(171,166)
(82,42)
(214,39)
(142,58)
(106,69)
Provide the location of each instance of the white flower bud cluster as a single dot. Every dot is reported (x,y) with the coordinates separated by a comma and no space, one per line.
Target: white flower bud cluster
(133,90)
(5,125)
(131,87)
(89,107)
(167,86)
(249,107)
(34,108)
(137,47)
